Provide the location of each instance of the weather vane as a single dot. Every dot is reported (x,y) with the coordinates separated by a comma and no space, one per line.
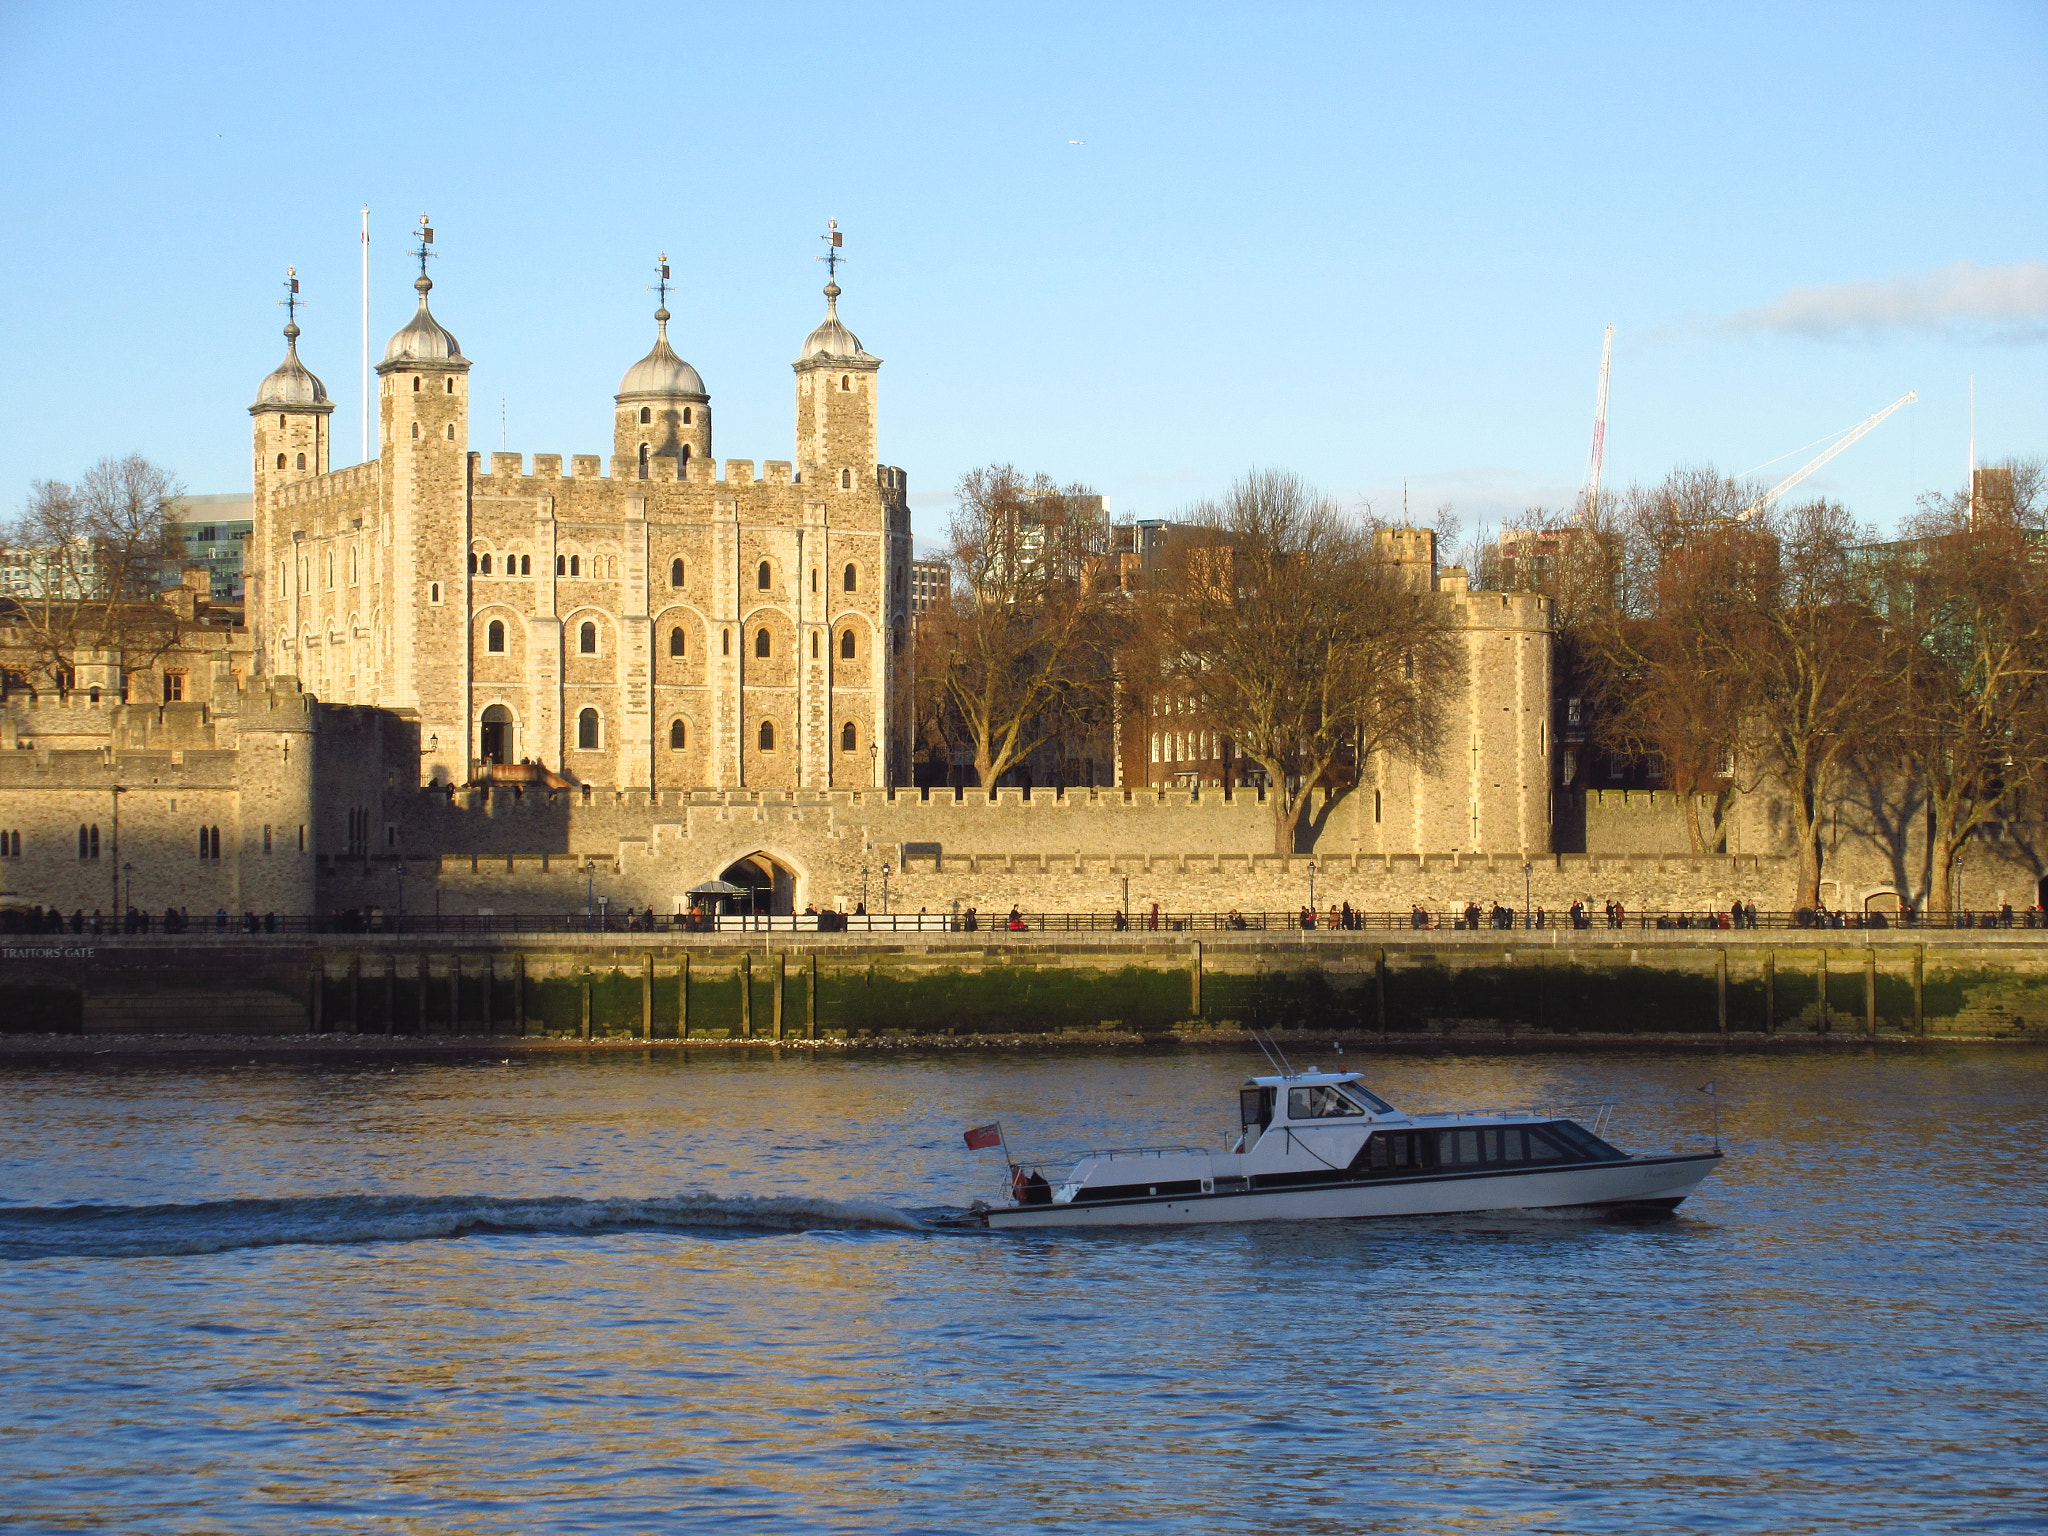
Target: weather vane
(426,237)
(661,287)
(833,240)
(291,300)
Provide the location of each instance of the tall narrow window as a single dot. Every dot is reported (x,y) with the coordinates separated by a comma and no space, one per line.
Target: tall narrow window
(487,565)
(761,642)
(526,565)
(850,579)
(686,459)
(280,461)
(643,461)
(814,645)
(586,639)
(846,645)
(725,642)
(645,415)
(848,738)
(415,434)
(81,840)
(561,565)
(415,390)
(686,415)
(575,565)
(494,637)
(767,736)
(451,386)
(586,730)
(846,381)
(302,461)
(763,576)
(678,736)
(846,479)
(675,572)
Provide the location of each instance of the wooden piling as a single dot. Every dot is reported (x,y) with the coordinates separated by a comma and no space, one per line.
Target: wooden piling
(490,992)
(746,994)
(647,996)
(1919,983)
(1721,990)
(811,998)
(1870,992)
(318,975)
(683,997)
(355,994)
(586,1003)
(391,994)
(1195,982)
(781,987)
(1770,991)
(519,993)
(1379,987)
(1822,971)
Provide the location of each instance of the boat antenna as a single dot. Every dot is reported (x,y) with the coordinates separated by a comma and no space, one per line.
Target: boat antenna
(1266,1053)
(1276,1055)
(1713,1092)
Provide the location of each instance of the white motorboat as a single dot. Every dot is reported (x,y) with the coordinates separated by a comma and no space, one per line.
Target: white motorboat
(1320,1145)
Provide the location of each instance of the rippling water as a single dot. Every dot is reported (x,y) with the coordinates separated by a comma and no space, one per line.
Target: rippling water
(633,1294)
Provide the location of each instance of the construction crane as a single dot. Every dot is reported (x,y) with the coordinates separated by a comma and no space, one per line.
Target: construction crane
(1599,426)
(1827,453)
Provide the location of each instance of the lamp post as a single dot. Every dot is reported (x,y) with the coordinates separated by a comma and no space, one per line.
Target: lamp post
(1311,887)
(401,893)
(885,890)
(874,765)
(863,888)
(603,913)
(129,905)
(1528,914)
(589,891)
(1127,901)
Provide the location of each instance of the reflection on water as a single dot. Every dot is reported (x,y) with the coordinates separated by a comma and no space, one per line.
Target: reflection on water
(1840,1332)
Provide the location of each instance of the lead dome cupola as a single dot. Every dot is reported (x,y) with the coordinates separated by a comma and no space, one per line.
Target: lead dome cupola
(424,339)
(661,372)
(291,384)
(832,339)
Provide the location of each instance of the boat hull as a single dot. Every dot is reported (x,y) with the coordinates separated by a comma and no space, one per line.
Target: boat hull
(1642,1182)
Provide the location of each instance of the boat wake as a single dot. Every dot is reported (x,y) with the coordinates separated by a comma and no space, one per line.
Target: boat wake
(221,1226)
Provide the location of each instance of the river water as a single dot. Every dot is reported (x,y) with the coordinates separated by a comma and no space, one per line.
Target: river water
(641,1294)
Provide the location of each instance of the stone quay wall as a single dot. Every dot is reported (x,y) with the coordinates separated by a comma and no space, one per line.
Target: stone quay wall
(779,985)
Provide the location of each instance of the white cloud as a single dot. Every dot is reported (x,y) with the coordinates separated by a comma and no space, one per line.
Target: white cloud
(2003,303)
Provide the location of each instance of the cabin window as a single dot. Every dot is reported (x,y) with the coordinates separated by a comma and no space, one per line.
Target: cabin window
(846,646)
(1320,1102)
(675,572)
(677,645)
(678,736)
(767,736)
(586,640)
(587,730)
(761,642)
(494,637)
(1392,1152)
(1255,1106)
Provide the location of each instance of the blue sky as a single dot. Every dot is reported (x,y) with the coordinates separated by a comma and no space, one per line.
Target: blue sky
(1366,243)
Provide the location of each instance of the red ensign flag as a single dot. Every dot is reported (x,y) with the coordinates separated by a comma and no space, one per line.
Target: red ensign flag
(984,1136)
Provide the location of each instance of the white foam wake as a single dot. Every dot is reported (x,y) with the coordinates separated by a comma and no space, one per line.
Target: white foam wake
(219,1226)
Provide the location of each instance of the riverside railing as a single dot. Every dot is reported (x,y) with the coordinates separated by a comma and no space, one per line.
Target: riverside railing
(1502,922)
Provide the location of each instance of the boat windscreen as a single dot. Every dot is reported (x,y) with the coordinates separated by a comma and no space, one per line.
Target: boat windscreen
(1584,1142)
(1320,1102)
(1370,1100)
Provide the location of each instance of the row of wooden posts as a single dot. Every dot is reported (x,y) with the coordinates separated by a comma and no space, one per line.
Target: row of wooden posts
(452,1019)
(809,972)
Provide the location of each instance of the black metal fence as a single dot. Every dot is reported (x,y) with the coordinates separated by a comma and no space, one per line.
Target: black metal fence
(1503,921)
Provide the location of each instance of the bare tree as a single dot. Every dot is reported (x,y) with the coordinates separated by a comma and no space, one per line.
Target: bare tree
(1272,621)
(1965,599)
(1019,654)
(89,559)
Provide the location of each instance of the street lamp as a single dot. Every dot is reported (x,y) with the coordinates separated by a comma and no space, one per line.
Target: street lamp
(1528,915)
(863,888)
(401,894)
(589,890)
(874,765)
(1311,887)
(1127,901)
(885,890)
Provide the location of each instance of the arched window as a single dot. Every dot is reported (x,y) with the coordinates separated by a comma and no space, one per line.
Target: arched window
(686,455)
(846,645)
(845,381)
(761,642)
(675,572)
(586,640)
(767,736)
(81,840)
(586,730)
(575,565)
(494,637)
(280,461)
(676,644)
(814,646)
(678,736)
(451,390)
(415,435)
(763,576)
(561,565)
(848,737)
(451,429)
(851,580)
(302,462)
(280,418)
(472,564)
(487,565)
(686,415)
(846,479)
(643,461)
(645,414)
(725,642)
(526,565)
(415,386)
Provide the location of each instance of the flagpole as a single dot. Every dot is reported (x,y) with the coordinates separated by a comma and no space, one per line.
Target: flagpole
(365,376)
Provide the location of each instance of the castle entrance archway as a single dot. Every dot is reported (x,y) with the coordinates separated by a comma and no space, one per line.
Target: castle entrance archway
(769,883)
(496,743)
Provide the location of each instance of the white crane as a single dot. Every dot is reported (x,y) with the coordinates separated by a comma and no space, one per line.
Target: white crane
(1827,453)
(1599,426)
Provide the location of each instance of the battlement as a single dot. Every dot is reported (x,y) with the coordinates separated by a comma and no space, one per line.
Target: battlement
(366,476)
(497,473)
